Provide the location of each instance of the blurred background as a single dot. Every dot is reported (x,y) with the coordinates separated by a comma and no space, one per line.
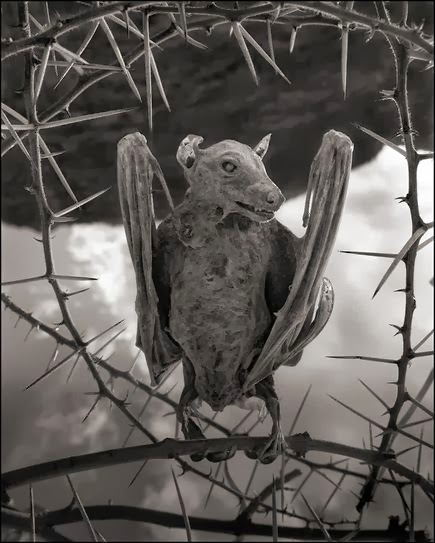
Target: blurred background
(211,94)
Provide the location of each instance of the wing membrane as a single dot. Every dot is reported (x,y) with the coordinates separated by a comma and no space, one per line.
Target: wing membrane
(136,168)
(327,187)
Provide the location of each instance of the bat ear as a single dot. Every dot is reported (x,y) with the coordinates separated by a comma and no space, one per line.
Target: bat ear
(188,150)
(262,146)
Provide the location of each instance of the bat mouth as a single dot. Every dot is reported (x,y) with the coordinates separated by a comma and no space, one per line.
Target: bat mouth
(263,213)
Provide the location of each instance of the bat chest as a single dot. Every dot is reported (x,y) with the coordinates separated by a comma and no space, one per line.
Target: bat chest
(218,309)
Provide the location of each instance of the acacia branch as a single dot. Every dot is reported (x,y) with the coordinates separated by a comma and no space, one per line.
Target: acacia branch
(172,448)
(61,27)
(402,61)
(36,323)
(86,81)
(173,520)
(17,520)
(46,221)
(379,25)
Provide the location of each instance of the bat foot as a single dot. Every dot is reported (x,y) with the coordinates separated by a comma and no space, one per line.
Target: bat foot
(197,457)
(274,447)
(221,456)
(252,453)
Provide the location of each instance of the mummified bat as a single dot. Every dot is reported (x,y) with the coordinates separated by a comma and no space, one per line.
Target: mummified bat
(221,284)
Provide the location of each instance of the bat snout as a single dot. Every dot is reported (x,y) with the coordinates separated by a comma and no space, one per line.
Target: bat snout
(261,200)
(266,194)
(274,199)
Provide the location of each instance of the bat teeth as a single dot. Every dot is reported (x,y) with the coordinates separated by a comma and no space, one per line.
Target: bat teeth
(254,209)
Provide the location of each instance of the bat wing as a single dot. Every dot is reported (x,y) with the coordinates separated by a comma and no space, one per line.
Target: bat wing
(136,169)
(298,321)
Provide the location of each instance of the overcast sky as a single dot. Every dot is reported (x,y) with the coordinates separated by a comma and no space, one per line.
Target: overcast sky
(45,422)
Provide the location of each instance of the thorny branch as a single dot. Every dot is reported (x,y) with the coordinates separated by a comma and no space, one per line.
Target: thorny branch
(172,448)
(60,28)
(402,61)
(173,520)
(407,42)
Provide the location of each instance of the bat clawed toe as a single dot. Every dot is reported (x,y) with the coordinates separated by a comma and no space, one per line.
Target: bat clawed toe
(252,453)
(266,454)
(267,457)
(197,457)
(262,454)
(221,456)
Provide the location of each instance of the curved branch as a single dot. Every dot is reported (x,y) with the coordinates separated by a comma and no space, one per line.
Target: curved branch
(62,27)
(22,521)
(172,448)
(173,520)
(351,16)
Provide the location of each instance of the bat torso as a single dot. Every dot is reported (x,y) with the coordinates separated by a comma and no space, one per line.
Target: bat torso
(222,285)
(218,311)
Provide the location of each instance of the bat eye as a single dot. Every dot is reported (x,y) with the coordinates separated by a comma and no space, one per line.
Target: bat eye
(229,167)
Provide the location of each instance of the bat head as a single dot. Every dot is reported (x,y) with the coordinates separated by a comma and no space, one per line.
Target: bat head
(231,175)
